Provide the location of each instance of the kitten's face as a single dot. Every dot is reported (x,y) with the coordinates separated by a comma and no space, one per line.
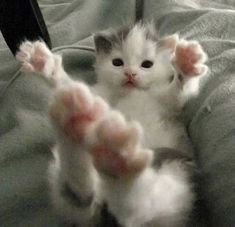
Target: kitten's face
(132,59)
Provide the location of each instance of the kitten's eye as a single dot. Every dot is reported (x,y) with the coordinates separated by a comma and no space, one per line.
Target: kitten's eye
(147,64)
(117,62)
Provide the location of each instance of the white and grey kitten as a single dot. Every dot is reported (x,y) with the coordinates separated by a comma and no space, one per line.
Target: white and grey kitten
(121,142)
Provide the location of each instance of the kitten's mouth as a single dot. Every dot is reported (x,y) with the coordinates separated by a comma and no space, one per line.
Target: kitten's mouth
(130,84)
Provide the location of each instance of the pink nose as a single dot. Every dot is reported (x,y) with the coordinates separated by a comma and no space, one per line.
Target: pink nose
(129,74)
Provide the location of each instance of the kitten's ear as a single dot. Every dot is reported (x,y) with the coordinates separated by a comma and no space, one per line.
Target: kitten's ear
(170,42)
(102,43)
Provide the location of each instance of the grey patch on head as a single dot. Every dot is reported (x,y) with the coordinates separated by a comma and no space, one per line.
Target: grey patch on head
(161,44)
(151,33)
(165,154)
(74,198)
(106,41)
(102,43)
(122,32)
(151,36)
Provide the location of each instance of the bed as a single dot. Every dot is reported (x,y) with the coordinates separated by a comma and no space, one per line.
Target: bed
(26,134)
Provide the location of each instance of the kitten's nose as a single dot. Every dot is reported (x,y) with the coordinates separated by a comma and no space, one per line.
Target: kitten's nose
(129,74)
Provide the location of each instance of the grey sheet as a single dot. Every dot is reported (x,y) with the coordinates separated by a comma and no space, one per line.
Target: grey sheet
(26,134)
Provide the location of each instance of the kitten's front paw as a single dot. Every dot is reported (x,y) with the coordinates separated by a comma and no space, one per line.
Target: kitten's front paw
(118,152)
(36,57)
(75,111)
(189,59)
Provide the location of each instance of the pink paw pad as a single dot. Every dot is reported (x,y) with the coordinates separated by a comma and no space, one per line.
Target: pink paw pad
(190,58)
(34,56)
(118,151)
(74,111)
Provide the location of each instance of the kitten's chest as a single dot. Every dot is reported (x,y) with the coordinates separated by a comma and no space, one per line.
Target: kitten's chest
(146,109)
(139,106)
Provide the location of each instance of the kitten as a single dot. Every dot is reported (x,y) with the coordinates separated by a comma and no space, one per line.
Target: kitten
(121,142)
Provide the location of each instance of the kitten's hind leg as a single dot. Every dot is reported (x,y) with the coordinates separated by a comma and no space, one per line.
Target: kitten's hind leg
(37,58)
(75,112)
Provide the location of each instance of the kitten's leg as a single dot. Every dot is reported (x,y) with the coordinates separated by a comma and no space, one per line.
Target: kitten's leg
(137,192)
(118,151)
(123,163)
(189,61)
(36,57)
(74,182)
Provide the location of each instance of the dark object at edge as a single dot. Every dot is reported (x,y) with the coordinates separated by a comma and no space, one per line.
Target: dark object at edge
(21,20)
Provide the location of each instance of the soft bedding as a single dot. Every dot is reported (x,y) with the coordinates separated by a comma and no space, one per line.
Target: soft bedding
(25,132)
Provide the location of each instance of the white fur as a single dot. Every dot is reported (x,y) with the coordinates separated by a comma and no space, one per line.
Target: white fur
(157,101)
(158,198)
(162,197)
(72,165)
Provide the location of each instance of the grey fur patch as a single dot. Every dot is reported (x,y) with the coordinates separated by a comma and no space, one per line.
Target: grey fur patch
(165,154)
(102,43)
(122,33)
(74,198)
(106,41)
(151,33)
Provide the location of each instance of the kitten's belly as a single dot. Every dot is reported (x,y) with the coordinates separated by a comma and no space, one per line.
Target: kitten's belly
(158,132)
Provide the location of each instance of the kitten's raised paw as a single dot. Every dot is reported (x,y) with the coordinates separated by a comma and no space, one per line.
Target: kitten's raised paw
(75,111)
(118,152)
(36,57)
(189,59)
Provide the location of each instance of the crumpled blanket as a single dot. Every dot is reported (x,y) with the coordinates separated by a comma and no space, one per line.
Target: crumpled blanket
(25,131)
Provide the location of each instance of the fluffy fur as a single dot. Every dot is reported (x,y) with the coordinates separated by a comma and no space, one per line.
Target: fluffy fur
(119,157)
